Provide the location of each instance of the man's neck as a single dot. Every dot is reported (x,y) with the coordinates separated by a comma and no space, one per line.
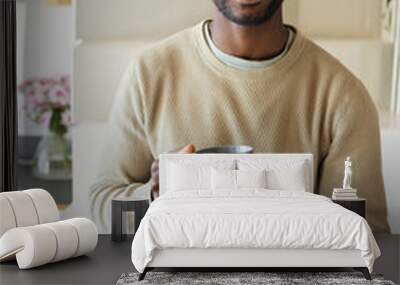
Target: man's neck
(260,42)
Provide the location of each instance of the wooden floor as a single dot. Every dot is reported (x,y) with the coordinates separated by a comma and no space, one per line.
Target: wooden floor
(110,260)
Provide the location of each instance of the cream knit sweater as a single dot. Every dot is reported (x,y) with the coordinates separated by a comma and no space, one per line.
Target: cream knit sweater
(178,92)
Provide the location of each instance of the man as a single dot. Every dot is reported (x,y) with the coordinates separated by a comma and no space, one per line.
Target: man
(242,78)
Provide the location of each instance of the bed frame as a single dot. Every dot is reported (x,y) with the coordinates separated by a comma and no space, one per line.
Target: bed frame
(246,259)
(249,259)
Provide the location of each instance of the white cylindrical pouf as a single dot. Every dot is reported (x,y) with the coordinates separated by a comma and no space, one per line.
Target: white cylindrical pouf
(7,218)
(67,240)
(45,205)
(87,233)
(23,208)
(34,246)
(40,247)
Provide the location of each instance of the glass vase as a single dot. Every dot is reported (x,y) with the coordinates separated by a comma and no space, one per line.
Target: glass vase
(53,157)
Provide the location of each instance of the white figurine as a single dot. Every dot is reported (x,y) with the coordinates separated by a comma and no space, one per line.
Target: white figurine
(347,174)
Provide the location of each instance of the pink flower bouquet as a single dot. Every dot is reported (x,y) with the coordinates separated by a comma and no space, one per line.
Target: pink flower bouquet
(47,102)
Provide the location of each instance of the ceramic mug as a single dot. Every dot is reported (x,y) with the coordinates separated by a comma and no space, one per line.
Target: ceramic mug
(227,149)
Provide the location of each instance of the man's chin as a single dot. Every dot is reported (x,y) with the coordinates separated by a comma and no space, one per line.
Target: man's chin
(248,21)
(248,12)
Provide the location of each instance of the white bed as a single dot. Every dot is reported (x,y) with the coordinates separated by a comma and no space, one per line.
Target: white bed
(201,220)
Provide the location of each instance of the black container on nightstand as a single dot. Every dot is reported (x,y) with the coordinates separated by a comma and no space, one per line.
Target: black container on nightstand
(357,206)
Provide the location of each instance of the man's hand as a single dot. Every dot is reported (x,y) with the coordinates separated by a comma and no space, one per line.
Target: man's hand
(155,182)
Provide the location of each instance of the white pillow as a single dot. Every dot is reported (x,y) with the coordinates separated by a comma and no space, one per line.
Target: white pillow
(251,178)
(281,174)
(185,174)
(236,179)
(288,179)
(181,177)
(223,179)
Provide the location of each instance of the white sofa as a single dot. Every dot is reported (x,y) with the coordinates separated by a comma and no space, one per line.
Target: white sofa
(31,232)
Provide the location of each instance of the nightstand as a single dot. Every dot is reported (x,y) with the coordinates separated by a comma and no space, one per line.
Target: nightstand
(118,208)
(358,206)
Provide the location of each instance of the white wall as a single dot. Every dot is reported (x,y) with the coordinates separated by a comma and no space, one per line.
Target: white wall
(46,46)
(133,19)
(338,18)
(49,39)
(137,19)
(391,172)
(87,154)
(98,68)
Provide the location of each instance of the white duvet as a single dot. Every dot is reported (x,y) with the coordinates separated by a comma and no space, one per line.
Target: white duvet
(250,219)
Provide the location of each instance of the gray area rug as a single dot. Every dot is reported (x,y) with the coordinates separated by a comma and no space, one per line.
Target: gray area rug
(273,278)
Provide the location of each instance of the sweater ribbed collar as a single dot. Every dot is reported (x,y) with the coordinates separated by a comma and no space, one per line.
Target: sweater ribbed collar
(241,63)
(273,70)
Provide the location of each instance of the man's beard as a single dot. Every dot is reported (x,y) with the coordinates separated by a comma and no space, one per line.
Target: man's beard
(227,11)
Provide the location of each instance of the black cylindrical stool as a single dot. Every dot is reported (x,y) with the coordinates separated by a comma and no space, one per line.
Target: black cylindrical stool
(118,208)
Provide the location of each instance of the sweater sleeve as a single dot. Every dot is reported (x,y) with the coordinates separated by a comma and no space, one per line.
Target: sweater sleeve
(126,159)
(355,133)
